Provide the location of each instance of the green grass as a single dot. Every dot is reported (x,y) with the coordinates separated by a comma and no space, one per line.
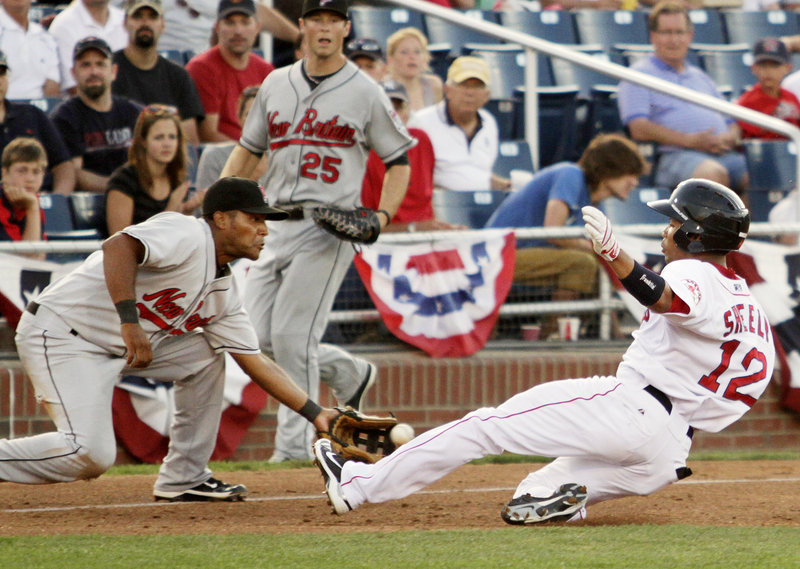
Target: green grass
(496,459)
(621,547)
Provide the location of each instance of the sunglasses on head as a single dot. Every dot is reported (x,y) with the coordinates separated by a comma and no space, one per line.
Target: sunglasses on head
(160,110)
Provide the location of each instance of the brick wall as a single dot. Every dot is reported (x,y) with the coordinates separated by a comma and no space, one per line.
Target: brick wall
(426,392)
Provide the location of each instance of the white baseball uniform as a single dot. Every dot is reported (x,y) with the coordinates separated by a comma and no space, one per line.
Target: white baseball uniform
(702,365)
(73,352)
(317,138)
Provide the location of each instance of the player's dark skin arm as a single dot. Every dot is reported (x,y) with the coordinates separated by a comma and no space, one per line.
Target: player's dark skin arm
(395,184)
(121,257)
(271,378)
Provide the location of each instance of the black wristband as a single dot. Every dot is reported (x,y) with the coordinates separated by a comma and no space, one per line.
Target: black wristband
(386,213)
(128,314)
(310,410)
(645,285)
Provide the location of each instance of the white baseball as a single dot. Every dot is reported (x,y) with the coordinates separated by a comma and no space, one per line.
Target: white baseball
(401,433)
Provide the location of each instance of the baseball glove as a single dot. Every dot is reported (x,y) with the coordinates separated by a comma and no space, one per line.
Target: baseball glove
(360,224)
(356,436)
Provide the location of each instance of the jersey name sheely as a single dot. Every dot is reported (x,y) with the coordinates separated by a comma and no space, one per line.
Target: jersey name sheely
(309,130)
(746,318)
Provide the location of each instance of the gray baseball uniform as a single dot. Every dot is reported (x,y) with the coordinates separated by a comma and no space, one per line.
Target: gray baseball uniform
(317,140)
(72,349)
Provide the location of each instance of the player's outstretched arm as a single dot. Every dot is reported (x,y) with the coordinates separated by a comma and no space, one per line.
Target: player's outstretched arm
(646,286)
(270,377)
(121,257)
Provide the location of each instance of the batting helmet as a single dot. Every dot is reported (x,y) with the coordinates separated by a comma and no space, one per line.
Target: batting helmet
(712,213)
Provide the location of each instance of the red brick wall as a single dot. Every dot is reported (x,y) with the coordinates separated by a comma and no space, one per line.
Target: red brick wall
(426,392)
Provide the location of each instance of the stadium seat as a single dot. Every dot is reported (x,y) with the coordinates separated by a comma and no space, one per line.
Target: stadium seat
(188,55)
(46,104)
(472,209)
(380,23)
(630,53)
(553,25)
(749,27)
(729,68)
(567,73)
(441,31)
(558,127)
(58,225)
(772,167)
(440,59)
(174,55)
(507,68)
(634,209)
(505,112)
(513,155)
(708,28)
(603,114)
(607,27)
(87,210)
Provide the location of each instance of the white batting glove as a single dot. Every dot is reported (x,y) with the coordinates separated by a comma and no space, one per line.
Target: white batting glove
(599,228)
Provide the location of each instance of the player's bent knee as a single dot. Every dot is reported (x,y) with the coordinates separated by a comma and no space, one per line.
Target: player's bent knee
(92,462)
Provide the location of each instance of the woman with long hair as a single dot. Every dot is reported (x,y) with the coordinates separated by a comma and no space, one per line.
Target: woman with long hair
(407,61)
(154,177)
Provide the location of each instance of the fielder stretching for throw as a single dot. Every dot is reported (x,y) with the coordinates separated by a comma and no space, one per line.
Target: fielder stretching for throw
(159,300)
(701,358)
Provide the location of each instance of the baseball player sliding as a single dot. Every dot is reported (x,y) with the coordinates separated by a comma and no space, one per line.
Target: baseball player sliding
(701,358)
(316,120)
(158,300)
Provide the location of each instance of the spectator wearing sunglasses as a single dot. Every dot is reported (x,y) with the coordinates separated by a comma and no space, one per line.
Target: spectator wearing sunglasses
(96,126)
(368,55)
(154,177)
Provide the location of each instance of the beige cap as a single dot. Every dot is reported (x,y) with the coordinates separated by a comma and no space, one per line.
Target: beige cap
(468,67)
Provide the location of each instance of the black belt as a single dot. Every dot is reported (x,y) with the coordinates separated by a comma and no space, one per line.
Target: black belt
(33,308)
(662,398)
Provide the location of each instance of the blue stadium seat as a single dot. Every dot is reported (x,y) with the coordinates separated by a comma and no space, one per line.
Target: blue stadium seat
(505,112)
(607,27)
(380,23)
(749,27)
(87,210)
(440,59)
(603,115)
(46,104)
(174,55)
(513,155)
(567,73)
(440,31)
(553,25)
(472,209)
(558,126)
(634,209)
(58,223)
(708,27)
(772,167)
(188,55)
(507,68)
(729,68)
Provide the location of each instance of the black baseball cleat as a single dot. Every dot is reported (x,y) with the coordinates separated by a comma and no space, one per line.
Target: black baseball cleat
(559,507)
(212,490)
(369,380)
(330,464)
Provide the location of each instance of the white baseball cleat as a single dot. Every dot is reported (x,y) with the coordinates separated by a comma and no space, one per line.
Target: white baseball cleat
(561,506)
(330,464)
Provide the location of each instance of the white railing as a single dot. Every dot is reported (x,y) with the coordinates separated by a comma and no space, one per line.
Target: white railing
(533,44)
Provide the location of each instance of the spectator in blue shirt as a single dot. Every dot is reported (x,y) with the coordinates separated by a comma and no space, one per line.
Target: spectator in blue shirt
(694,142)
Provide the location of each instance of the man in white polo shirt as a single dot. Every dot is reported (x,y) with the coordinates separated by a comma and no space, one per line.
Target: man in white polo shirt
(464,135)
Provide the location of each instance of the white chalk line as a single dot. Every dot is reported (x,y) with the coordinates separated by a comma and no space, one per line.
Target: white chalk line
(320,496)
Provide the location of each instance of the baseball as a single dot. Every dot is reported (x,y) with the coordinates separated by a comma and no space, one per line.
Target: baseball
(401,433)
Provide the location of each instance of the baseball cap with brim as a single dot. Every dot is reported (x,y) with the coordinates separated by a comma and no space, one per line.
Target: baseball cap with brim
(468,67)
(228,7)
(395,90)
(91,42)
(338,6)
(132,5)
(364,47)
(770,49)
(243,194)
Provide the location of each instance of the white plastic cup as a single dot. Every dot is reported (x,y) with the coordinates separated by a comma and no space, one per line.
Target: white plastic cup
(519,178)
(569,328)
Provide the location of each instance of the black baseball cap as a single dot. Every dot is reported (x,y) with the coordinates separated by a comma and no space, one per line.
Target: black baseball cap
(228,7)
(364,47)
(92,42)
(338,6)
(770,49)
(243,194)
